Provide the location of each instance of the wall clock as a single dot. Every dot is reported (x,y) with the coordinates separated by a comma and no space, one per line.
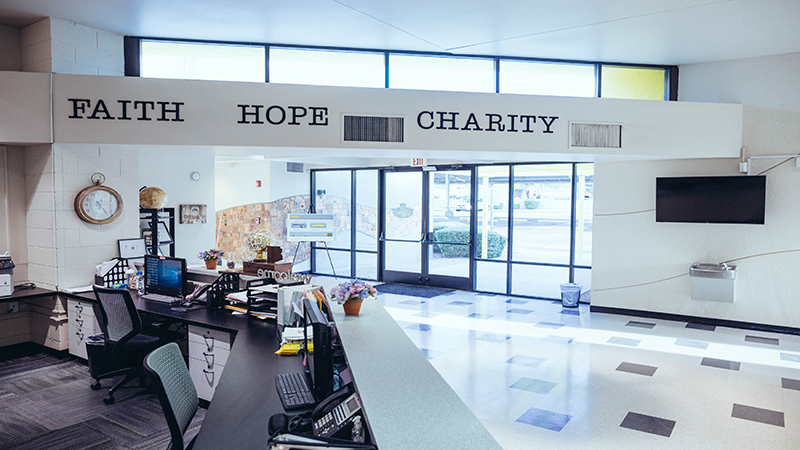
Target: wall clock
(98,204)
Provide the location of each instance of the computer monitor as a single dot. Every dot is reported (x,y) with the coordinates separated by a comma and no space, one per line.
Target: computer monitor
(164,275)
(318,365)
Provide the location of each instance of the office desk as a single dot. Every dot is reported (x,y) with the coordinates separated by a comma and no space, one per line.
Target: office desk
(27,294)
(407,403)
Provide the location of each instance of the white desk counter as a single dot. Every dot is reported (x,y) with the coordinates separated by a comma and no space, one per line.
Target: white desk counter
(408,404)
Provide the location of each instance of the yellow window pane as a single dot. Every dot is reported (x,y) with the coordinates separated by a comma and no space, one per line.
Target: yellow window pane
(632,83)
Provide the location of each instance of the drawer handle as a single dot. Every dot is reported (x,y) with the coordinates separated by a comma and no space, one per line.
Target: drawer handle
(79,321)
(211,346)
(209,380)
(79,308)
(80,335)
(210,362)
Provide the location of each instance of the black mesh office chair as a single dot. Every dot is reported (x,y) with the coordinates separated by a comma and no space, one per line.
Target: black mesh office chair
(124,341)
(176,392)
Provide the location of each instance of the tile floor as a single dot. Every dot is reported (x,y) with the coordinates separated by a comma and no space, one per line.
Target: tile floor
(539,376)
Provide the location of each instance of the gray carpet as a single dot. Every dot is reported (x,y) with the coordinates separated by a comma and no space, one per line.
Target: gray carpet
(46,403)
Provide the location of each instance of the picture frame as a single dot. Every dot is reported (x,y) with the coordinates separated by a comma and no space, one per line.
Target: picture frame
(193,214)
(164,236)
(131,248)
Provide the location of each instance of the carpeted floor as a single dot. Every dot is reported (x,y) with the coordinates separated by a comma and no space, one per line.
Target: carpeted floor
(413,291)
(46,403)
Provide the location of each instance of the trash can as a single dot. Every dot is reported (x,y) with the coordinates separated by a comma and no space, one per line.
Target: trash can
(570,294)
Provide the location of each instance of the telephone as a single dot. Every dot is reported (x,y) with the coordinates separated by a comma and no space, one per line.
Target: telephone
(198,292)
(335,412)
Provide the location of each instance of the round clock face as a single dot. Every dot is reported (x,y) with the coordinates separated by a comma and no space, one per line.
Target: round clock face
(98,204)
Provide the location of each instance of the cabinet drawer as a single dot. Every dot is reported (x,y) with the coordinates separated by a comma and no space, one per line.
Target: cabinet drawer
(218,356)
(78,332)
(80,308)
(212,340)
(205,379)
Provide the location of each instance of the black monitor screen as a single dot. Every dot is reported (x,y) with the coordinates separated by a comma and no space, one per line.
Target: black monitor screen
(163,275)
(739,199)
(319,365)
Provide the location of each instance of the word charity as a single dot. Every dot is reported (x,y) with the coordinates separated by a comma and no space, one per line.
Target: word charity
(446,120)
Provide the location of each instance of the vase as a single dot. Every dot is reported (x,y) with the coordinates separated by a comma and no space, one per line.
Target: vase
(211,264)
(352,307)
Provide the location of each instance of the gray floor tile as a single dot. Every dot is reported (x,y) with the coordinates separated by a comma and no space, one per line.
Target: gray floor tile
(789,383)
(558,339)
(514,301)
(426,314)
(761,340)
(720,363)
(549,325)
(479,316)
(623,341)
(545,419)
(636,324)
(459,303)
(525,360)
(533,385)
(413,302)
(701,326)
(419,326)
(571,312)
(648,424)
(691,343)
(761,415)
(639,369)
(497,338)
(519,311)
(790,357)
(430,354)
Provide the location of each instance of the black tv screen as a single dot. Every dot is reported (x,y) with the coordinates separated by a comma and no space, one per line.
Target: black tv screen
(740,199)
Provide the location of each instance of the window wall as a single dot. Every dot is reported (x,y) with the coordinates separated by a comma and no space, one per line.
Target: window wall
(352,197)
(399,70)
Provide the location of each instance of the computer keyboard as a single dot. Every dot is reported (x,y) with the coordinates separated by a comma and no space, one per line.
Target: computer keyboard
(293,390)
(162,298)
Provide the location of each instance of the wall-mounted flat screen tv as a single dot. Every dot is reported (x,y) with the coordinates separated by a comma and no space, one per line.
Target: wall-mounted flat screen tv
(739,199)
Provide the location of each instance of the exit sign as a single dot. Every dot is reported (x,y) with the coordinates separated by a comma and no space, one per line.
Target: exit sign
(417,162)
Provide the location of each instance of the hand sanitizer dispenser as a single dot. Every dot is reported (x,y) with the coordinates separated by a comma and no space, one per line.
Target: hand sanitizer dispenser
(713,282)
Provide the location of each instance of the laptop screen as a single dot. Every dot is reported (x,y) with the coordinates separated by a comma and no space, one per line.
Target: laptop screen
(164,275)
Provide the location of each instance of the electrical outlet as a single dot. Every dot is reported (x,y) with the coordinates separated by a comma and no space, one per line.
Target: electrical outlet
(13,307)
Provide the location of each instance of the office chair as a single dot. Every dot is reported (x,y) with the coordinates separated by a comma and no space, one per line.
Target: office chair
(124,341)
(167,371)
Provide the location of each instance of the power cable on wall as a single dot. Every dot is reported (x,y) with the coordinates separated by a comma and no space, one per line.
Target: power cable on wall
(687,273)
(625,213)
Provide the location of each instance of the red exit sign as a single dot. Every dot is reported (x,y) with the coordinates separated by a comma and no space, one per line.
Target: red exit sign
(417,162)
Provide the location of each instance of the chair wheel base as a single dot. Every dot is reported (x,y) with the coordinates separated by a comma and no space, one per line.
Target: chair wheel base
(96,386)
(108,400)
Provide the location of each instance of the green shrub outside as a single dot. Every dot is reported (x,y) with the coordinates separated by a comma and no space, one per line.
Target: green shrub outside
(459,233)
(497,206)
(531,204)
(516,205)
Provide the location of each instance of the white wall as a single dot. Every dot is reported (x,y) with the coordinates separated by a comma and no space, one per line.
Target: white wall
(24,108)
(40,209)
(36,52)
(633,249)
(10,58)
(13,223)
(168,168)
(284,184)
(236,183)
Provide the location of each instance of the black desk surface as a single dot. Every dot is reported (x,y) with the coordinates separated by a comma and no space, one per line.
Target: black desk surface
(27,294)
(246,396)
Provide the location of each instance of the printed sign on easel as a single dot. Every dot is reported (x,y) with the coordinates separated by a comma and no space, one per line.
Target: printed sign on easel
(310,228)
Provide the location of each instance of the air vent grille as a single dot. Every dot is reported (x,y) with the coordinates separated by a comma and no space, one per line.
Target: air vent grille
(597,135)
(373,129)
(294,167)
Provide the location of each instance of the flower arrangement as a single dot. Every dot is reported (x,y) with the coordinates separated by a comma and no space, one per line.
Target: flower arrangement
(207,255)
(353,290)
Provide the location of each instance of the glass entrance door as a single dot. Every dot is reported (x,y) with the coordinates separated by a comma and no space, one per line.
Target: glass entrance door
(427,231)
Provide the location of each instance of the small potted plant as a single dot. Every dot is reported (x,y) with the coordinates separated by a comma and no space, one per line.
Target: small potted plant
(211,257)
(350,294)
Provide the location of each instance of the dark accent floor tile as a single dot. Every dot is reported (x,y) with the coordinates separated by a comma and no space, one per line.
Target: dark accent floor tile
(721,363)
(571,312)
(691,343)
(479,316)
(519,311)
(533,385)
(639,369)
(701,326)
(15,428)
(419,326)
(636,324)
(552,325)
(648,424)
(761,340)
(426,314)
(486,295)
(413,302)
(78,436)
(789,383)
(514,301)
(790,357)
(761,415)
(557,302)
(623,341)
(525,360)
(459,303)
(558,339)
(544,419)
(496,338)
(430,354)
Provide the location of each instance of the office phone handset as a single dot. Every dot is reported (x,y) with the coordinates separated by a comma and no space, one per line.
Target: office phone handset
(335,412)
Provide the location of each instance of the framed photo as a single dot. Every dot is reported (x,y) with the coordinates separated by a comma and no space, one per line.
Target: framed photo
(192,214)
(131,248)
(163,233)
(147,235)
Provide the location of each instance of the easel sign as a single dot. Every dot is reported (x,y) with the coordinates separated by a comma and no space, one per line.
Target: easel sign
(310,228)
